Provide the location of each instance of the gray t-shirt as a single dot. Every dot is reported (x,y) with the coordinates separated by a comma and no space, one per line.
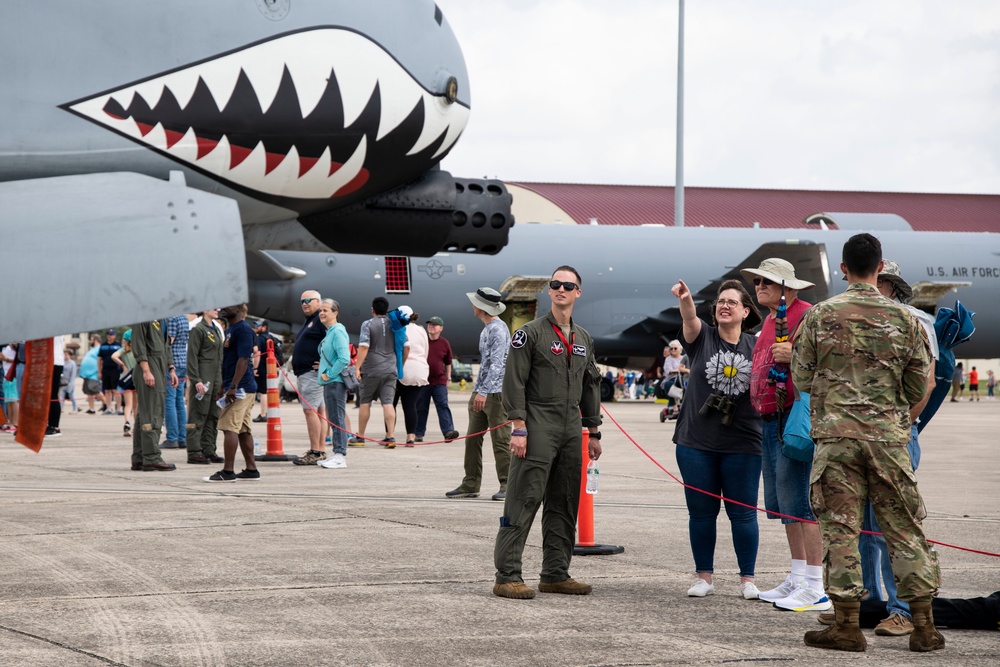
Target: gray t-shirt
(718,366)
(377,336)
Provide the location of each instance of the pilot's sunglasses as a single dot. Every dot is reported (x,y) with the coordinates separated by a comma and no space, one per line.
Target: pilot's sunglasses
(556,284)
(305,301)
(758,281)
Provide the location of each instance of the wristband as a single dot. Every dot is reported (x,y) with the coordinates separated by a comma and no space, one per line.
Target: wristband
(595,436)
(520,432)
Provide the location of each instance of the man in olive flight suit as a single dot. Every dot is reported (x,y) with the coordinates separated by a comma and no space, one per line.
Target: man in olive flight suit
(149,345)
(204,370)
(550,380)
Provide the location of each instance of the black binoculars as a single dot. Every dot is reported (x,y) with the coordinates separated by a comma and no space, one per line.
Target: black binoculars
(722,403)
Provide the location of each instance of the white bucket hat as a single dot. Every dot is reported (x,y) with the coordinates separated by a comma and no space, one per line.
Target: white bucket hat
(487,299)
(778,271)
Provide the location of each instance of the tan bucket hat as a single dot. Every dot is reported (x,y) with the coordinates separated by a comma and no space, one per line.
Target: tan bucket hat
(487,299)
(777,270)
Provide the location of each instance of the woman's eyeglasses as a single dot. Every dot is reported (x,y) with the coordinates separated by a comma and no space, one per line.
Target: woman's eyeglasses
(729,303)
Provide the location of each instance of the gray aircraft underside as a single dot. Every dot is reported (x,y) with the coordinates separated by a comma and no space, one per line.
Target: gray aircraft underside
(627,273)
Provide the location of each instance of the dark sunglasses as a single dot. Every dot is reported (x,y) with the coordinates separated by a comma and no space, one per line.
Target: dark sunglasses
(556,284)
(305,301)
(758,281)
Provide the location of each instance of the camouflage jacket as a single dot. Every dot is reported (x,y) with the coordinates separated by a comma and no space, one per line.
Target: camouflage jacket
(864,360)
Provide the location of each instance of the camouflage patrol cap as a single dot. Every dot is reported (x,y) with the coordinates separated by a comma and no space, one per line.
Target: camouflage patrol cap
(890,271)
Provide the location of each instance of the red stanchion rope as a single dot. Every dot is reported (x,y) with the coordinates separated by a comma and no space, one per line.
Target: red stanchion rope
(302,399)
(753,507)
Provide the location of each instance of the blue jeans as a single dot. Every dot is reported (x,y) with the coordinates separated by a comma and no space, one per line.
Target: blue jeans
(175,414)
(735,476)
(439,392)
(786,481)
(335,400)
(876,569)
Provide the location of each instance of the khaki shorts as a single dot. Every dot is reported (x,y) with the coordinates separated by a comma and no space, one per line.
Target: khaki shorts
(235,417)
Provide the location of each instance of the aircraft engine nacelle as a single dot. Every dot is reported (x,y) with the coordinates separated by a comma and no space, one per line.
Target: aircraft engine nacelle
(435,213)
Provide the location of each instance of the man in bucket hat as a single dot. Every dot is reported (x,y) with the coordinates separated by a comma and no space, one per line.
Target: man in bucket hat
(486,410)
(786,481)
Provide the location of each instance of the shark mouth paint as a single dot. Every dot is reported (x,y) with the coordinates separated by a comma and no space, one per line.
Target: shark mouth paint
(321,114)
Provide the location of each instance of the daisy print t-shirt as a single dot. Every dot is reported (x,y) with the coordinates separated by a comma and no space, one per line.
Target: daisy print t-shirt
(720,372)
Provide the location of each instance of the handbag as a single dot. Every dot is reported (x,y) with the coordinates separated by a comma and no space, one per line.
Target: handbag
(796,440)
(11,372)
(350,379)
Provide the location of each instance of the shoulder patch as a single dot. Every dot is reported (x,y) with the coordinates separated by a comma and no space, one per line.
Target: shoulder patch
(519,338)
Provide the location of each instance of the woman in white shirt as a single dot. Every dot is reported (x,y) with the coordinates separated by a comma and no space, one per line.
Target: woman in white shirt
(415,372)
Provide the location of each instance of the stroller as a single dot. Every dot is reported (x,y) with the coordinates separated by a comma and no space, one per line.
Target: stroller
(673,390)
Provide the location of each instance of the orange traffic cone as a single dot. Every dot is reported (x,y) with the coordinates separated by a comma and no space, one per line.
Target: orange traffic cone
(585,545)
(275,449)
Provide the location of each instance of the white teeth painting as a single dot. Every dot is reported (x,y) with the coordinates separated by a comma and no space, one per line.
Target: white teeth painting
(299,116)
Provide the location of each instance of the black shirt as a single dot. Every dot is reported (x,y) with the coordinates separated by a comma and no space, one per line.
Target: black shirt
(306,352)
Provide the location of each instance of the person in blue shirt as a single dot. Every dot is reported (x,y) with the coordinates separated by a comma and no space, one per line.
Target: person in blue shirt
(334,357)
(237,393)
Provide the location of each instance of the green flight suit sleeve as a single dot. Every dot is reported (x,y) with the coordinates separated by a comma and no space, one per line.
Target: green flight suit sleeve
(515,378)
(195,341)
(140,342)
(590,395)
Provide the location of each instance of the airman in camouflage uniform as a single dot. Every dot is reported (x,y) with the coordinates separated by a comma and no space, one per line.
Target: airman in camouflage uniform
(865,360)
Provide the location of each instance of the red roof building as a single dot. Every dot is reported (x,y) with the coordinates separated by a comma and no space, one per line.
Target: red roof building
(742,207)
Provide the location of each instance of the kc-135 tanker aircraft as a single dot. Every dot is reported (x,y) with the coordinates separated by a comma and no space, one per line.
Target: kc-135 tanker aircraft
(627,273)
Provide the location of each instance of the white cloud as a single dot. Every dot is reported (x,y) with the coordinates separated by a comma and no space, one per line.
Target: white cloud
(892,95)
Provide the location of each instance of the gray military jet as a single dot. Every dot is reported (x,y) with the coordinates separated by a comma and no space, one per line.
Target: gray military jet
(145,145)
(627,273)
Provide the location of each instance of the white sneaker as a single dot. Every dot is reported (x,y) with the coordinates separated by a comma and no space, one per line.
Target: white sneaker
(749,591)
(336,461)
(805,599)
(785,589)
(700,589)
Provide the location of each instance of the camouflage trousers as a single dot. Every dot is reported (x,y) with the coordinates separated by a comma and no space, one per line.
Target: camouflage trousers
(846,472)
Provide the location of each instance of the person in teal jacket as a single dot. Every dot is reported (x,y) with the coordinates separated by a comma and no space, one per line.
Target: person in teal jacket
(334,357)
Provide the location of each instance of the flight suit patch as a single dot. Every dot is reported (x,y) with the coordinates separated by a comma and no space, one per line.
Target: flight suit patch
(519,338)
(557,347)
(580,350)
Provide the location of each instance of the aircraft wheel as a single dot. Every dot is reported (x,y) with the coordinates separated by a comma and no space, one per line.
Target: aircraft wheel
(607,391)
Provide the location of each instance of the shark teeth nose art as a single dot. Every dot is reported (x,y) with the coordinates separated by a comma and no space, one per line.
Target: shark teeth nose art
(298,116)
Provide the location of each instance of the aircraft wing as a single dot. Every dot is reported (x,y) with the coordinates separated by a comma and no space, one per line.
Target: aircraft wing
(113,248)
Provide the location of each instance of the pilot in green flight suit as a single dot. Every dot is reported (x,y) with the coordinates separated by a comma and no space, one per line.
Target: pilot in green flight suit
(149,345)
(204,366)
(550,380)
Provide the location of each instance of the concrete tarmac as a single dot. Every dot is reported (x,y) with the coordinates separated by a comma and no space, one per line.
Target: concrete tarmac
(371,565)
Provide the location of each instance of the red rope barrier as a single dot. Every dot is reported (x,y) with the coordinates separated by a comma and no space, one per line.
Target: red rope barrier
(754,507)
(304,402)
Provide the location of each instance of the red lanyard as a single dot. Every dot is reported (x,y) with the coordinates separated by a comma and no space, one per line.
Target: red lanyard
(567,346)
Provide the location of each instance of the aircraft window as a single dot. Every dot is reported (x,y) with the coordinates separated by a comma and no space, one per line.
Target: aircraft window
(397,275)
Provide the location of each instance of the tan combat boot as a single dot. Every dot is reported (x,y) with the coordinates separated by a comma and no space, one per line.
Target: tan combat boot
(925,636)
(845,633)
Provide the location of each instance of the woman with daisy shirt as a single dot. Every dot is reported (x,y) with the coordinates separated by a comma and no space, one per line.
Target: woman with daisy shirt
(718,432)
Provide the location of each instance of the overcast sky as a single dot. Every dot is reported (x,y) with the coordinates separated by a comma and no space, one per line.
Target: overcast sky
(881,95)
